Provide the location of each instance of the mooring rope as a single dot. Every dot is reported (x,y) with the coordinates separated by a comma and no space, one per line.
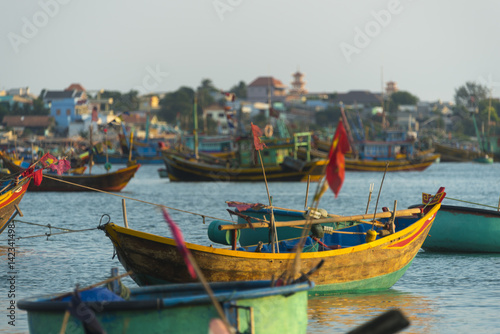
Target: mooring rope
(138,200)
(468,202)
(51,234)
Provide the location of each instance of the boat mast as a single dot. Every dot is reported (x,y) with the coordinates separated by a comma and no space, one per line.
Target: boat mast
(195,130)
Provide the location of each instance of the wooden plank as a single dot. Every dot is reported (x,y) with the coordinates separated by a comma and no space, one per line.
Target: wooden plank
(388,214)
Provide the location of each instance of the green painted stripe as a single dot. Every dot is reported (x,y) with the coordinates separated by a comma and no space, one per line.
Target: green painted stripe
(371,284)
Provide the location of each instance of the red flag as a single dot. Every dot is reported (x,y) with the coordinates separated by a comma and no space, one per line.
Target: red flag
(256,140)
(274,113)
(335,171)
(38,176)
(48,159)
(179,240)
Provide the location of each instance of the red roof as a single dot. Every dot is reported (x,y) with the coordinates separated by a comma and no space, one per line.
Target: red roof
(76,86)
(266,81)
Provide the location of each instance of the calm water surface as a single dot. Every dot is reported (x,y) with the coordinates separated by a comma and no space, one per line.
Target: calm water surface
(440,293)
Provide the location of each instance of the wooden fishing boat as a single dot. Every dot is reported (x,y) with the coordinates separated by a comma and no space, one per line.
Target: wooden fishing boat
(251,307)
(183,168)
(464,229)
(111,181)
(280,160)
(353,266)
(459,154)
(10,197)
(419,162)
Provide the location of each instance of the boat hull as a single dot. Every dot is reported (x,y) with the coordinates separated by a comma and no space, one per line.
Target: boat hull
(9,199)
(184,308)
(112,181)
(155,259)
(462,229)
(359,165)
(183,169)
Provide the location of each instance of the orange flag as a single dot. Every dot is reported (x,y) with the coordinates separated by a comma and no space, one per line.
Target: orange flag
(335,171)
(257,132)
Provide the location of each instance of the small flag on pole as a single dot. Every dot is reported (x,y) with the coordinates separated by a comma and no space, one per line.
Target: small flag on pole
(335,170)
(257,132)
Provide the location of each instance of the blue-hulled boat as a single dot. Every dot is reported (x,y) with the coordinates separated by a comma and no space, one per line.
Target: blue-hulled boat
(250,307)
(464,229)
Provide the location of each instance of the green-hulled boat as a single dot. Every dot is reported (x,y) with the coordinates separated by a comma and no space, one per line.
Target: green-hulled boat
(251,307)
(464,229)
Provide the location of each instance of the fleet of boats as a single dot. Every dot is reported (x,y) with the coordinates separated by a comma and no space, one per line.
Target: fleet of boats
(258,276)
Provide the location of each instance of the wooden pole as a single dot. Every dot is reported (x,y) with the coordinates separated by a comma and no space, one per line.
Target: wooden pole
(388,214)
(124,208)
(392,226)
(131,146)
(91,153)
(380,190)
(369,197)
(273,223)
(307,190)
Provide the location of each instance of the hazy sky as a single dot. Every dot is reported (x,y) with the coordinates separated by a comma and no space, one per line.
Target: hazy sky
(428,47)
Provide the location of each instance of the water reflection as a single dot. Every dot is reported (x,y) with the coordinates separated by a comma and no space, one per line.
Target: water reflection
(341,313)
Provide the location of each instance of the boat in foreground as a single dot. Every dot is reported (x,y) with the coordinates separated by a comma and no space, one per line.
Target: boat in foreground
(251,307)
(351,264)
(464,229)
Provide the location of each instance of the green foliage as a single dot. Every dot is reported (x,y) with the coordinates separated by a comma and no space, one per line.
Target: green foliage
(464,93)
(400,98)
(204,93)
(240,90)
(123,102)
(177,103)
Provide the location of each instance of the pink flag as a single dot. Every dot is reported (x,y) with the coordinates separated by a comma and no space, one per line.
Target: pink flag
(179,240)
(257,132)
(62,166)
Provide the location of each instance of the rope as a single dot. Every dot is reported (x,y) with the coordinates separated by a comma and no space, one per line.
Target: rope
(41,225)
(138,200)
(50,234)
(459,200)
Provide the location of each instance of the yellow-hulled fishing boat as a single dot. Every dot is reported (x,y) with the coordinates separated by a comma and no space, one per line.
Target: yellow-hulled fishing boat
(350,263)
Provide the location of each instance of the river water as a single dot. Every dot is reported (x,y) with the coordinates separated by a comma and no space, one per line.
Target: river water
(440,293)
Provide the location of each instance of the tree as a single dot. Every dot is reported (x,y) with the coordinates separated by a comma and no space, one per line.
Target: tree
(240,90)
(39,107)
(179,102)
(470,92)
(401,98)
(205,93)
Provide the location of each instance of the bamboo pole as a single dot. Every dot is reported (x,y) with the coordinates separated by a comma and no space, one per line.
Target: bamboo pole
(369,197)
(273,223)
(388,214)
(124,208)
(307,190)
(380,190)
